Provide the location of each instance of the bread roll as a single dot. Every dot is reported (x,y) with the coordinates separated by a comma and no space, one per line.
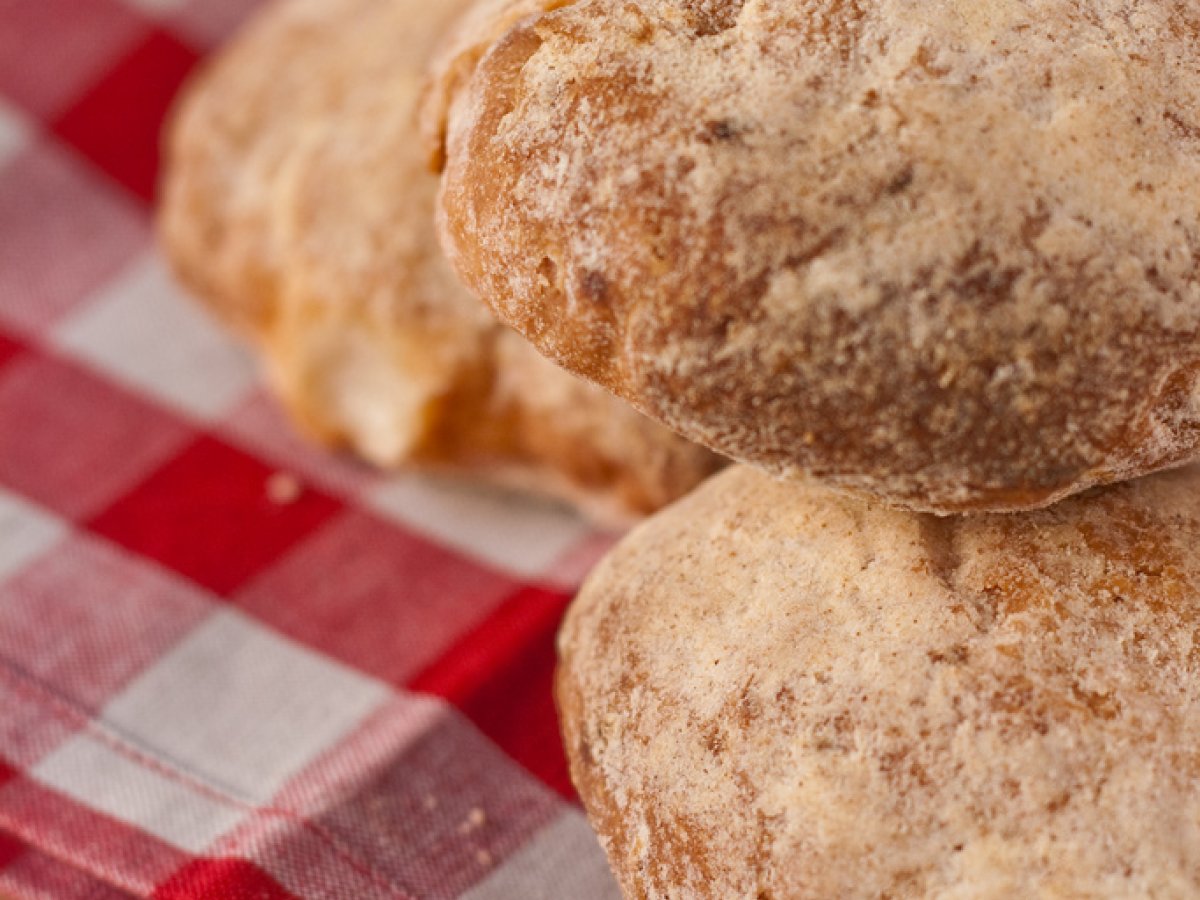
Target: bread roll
(940,251)
(298,206)
(775,692)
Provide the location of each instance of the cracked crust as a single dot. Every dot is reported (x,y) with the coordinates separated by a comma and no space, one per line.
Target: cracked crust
(941,252)
(776,691)
(297,205)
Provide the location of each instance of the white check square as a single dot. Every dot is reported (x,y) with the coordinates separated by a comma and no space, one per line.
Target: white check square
(25,533)
(518,534)
(14,132)
(144,331)
(98,776)
(242,707)
(564,859)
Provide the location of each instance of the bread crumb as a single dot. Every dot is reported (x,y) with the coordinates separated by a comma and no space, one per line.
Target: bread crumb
(475,820)
(284,489)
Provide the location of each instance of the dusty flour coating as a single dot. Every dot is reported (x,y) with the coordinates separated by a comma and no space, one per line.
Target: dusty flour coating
(298,206)
(943,251)
(774,691)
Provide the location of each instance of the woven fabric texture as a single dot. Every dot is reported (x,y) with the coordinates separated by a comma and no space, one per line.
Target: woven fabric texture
(232,666)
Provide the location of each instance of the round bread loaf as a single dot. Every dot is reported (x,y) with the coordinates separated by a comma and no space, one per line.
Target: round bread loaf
(778,692)
(941,251)
(298,205)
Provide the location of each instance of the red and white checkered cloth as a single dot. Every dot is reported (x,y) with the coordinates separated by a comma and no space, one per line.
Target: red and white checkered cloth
(231,666)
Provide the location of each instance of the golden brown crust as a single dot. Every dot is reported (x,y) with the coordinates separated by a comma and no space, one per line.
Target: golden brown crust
(298,206)
(943,252)
(776,692)
(455,59)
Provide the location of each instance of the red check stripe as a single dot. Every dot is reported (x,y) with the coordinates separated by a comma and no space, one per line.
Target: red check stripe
(52,49)
(88,841)
(117,123)
(230,879)
(73,441)
(10,849)
(501,676)
(9,348)
(210,515)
